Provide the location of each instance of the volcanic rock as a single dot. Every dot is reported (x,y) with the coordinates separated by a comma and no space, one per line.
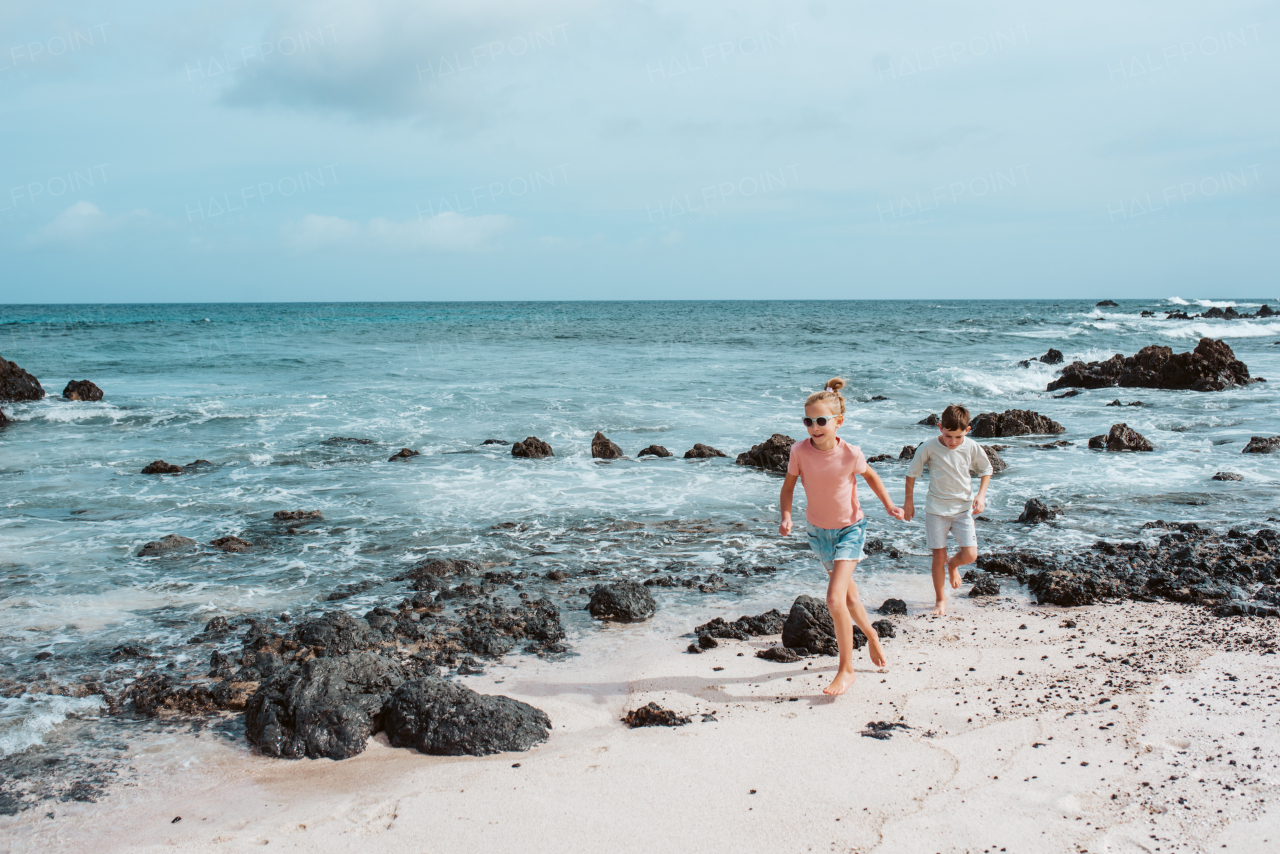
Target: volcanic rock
(495,442)
(436,568)
(1212,366)
(768,623)
(984,585)
(780,654)
(1053,357)
(652,714)
(654,451)
(1117,402)
(532,448)
(403,454)
(1123,438)
(1036,511)
(997,462)
(881,458)
(231,544)
(893,606)
(443,718)
(346,440)
(4,419)
(1013,422)
(701,452)
(931,421)
(1262,445)
(82,390)
(773,454)
(1227,475)
(1106,303)
(17,384)
(173,542)
(1266,311)
(883,629)
(161,467)
(908,452)
(336,633)
(323,708)
(603,449)
(1070,393)
(809,626)
(296,515)
(622,602)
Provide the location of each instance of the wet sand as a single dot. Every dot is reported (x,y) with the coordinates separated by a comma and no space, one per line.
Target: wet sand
(1143,728)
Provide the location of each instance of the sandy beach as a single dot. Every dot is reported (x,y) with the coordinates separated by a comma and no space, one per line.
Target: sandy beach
(1143,727)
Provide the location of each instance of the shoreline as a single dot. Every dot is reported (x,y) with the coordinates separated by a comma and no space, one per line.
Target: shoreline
(993,758)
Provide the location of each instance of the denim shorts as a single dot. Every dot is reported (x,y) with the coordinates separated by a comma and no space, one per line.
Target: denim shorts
(833,544)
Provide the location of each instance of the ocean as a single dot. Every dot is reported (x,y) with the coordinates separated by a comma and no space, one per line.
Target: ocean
(257,389)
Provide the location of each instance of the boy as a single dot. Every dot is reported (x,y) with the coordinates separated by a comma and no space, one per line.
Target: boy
(953,458)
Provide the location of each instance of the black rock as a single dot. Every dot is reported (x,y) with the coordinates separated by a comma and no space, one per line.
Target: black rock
(707,642)
(4,419)
(1123,438)
(161,467)
(231,544)
(985,585)
(1227,475)
(878,397)
(323,708)
(336,633)
(907,452)
(883,629)
(82,390)
(17,384)
(773,454)
(444,718)
(603,449)
(809,626)
(1013,422)
(532,448)
(654,451)
(997,462)
(622,602)
(1106,303)
(1266,311)
(1212,366)
(932,421)
(1050,446)
(881,458)
(780,654)
(768,623)
(426,574)
(1053,357)
(495,442)
(893,606)
(702,452)
(1098,443)
(296,515)
(1117,402)
(171,543)
(1071,393)
(403,454)
(652,714)
(1036,511)
(346,440)
(1262,445)
(346,591)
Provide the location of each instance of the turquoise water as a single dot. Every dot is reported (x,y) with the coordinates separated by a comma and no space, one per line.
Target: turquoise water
(255,389)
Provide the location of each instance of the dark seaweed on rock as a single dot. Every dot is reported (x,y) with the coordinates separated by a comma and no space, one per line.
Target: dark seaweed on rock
(1212,366)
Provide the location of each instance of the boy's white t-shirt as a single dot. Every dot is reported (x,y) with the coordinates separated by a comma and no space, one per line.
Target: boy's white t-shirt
(951,474)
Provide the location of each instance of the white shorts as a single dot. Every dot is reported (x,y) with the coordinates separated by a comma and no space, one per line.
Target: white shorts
(961,527)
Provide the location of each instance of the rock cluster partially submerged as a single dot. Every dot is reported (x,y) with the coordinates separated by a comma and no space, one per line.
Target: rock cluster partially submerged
(1212,366)
(1013,422)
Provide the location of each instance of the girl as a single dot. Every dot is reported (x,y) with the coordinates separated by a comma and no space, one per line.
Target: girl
(828,467)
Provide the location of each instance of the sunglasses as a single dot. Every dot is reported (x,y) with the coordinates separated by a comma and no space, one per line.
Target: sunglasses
(821,421)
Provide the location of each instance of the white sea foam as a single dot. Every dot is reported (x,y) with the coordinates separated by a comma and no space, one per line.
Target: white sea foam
(1222,329)
(1177,301)
(25,720)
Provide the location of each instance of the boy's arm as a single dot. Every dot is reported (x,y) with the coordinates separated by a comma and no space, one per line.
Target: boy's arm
(980,500)
(909,500)
(784,501)
(877,486)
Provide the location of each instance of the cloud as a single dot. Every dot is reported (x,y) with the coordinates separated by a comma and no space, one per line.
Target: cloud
(445,232)
(84,222)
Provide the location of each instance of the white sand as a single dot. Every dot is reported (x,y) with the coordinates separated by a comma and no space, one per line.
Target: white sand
(986,766)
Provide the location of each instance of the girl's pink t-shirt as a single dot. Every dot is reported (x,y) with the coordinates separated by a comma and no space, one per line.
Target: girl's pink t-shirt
(830,482)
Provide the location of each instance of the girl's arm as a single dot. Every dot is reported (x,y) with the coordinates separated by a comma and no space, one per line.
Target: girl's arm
(877,486)
(784,501)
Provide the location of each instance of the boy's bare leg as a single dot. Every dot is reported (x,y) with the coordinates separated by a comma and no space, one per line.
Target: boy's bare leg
(863,621)
(940,582)
(840,590)
(965,556)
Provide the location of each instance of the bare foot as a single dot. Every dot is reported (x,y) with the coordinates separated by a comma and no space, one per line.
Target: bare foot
(940,609)
(955,577)
(841,683)
(876,652)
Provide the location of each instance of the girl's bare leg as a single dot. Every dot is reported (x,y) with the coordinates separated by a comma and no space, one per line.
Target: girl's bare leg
(940,582)
(846,609)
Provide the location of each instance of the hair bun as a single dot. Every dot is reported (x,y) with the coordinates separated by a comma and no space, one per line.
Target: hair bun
(835,384)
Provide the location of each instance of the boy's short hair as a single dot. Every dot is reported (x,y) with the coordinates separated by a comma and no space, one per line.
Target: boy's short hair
(954,417)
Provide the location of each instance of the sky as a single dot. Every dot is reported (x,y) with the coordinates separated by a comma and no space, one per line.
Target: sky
(331,150)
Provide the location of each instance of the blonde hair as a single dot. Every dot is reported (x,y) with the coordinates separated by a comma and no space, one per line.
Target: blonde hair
(829,397)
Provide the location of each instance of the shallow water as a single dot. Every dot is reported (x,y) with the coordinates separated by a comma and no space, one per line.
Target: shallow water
(256,389)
